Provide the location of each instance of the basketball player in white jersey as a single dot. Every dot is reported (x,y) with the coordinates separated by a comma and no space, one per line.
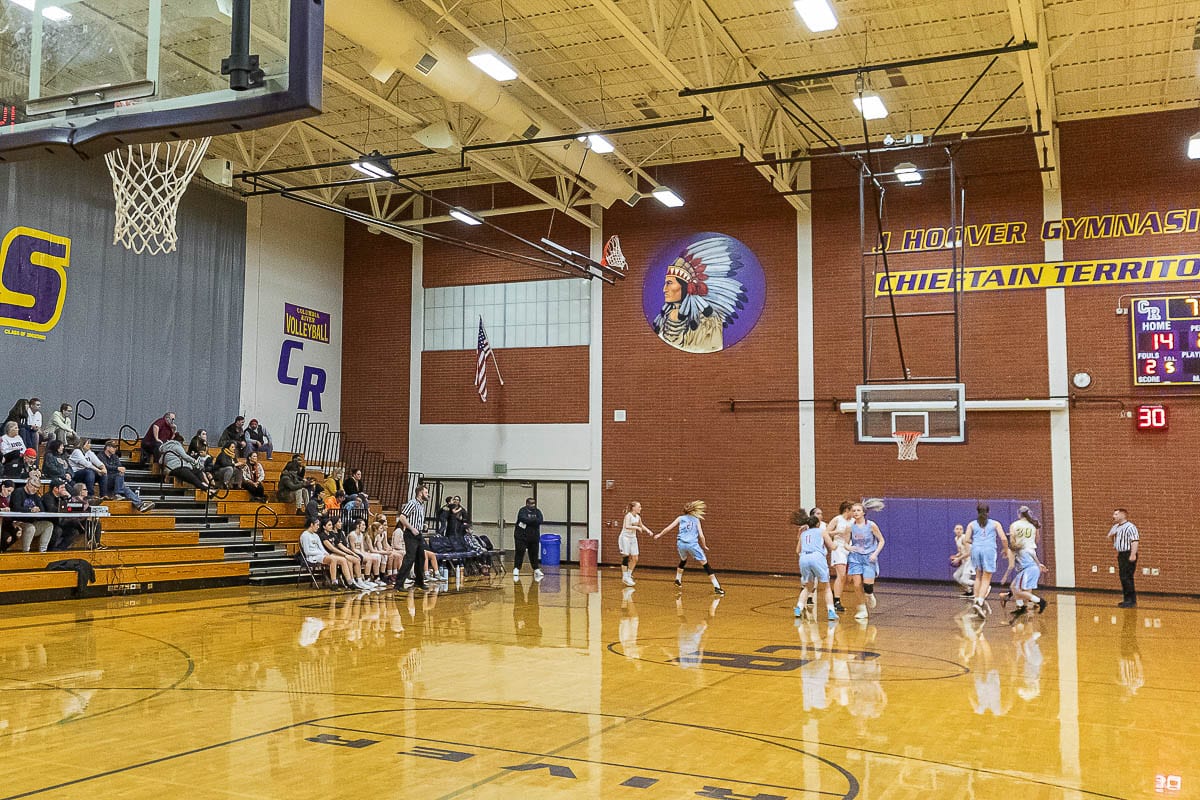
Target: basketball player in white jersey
(839,532)
(627,542)
(964,574)
(1023,536)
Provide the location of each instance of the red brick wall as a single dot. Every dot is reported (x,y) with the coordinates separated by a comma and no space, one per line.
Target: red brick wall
(1004,334)
(1128,164)
(375,332)
(680,442)
(541,385)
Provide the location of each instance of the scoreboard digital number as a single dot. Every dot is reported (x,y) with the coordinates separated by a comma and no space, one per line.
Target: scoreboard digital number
(1166,340)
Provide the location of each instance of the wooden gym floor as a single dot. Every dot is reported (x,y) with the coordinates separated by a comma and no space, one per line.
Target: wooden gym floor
(576,688)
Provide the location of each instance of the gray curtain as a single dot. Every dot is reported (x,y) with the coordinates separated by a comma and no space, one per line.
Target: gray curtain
(138,335)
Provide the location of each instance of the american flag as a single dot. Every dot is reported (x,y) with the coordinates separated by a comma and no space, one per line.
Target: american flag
(483,351)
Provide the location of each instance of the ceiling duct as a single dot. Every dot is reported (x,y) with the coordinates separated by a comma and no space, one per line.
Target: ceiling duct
(395,37)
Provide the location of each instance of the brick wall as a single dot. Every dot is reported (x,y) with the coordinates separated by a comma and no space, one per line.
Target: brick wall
(378,311)
(680,442)
(1132,163)
(541,385)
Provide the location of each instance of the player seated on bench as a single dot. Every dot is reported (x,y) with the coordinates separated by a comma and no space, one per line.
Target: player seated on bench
(316,555)
(382,543)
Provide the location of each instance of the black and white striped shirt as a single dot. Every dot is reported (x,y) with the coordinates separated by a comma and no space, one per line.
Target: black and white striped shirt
(1124,535)
(414,512)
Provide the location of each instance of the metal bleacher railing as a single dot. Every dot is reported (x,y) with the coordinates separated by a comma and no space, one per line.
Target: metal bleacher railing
(80,414)
(388,481)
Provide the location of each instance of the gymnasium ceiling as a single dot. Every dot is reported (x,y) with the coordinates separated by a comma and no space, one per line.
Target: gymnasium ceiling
(597,64)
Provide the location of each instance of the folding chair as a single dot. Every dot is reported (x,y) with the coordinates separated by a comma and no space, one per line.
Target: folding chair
(308,568)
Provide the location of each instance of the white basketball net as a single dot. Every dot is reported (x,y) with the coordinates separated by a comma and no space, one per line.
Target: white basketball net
(907,441)
(613,257)
(148,182)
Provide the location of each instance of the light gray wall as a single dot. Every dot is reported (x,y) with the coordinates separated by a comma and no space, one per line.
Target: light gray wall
(138,335)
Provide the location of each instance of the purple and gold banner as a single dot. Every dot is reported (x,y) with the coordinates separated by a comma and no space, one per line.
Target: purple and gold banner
(305,323)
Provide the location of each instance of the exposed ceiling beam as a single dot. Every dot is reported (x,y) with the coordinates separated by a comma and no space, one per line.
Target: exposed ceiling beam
(659,61)
(1029,24)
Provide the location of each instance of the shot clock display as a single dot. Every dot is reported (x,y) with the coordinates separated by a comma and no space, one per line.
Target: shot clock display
(1166,340)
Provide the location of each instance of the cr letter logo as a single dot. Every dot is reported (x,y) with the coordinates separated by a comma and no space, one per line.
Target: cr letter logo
(33,278)
(312,381)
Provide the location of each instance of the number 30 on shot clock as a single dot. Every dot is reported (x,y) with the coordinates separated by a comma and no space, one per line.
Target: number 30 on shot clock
(1151,418)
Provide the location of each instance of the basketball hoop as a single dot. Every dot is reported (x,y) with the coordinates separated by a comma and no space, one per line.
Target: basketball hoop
(148,182)
(907,442)
(613,257)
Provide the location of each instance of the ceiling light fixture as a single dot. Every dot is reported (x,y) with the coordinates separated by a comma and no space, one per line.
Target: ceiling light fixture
(374,165)
(667,197)
(1193,150)
(52,13)
(871,106)
(464,216)
(907,173)
(817,15)
(599,144)
(489,62)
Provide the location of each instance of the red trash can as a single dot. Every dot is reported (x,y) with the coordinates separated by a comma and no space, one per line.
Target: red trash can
(589,554)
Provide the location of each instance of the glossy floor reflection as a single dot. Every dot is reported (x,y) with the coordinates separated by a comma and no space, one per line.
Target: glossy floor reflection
(578,687)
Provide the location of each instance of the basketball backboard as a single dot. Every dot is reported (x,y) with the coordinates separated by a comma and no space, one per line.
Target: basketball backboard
(91,76)
(938,411)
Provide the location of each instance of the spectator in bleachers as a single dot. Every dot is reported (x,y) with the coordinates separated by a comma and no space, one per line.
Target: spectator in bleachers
(54,461)
(180,465)
(12,449)
(72,502)
(315,553)
(85,466)
(199,445)
(60,426)
(113,482)
(162,430)
(316,503)
(19,414)
(28,463)
(8,527)
(257,440)
(253,476)
(354,483)
(54,502)
(31,427)
(27,499)
(333,480)
(227,471)
(234,432)
(333,502)
(292,487)
(355,508)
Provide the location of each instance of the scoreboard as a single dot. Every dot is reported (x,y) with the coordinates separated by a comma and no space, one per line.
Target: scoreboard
(1166,340)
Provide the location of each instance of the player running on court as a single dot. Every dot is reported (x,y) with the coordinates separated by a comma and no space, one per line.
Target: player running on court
(983,534)
(627,542)
(964,574)
(839,531)
(866,543)
(812,545)
(1023,541)
(690,542)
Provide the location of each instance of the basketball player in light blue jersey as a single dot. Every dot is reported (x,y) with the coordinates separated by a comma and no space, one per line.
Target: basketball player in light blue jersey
(812,546)
(690,542)
(1023,538)
(866,543)
(984,534)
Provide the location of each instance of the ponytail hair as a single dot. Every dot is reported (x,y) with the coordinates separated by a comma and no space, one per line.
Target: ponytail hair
(982,509)
(800,518)
(696,508)
(629,506)
(1027,515)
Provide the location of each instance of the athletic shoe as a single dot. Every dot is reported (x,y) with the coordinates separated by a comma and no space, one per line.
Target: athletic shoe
(831,615)
(977,607)
(798,611)
(1004,598)
(516,573)
(1127,604)
(861,613)
(516,576)
(538,574)
(678,583)
(1041,605)
(1019,611)
(839,608)
(145,506)
(717,590)
(871,601)
(968,595)
(627,580)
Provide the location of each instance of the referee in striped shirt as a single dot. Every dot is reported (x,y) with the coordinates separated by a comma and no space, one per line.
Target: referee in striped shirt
(1125,540)
(412,520)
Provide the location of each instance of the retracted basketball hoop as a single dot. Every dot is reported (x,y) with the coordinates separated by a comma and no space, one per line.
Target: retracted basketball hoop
(148,182)
(907,442)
